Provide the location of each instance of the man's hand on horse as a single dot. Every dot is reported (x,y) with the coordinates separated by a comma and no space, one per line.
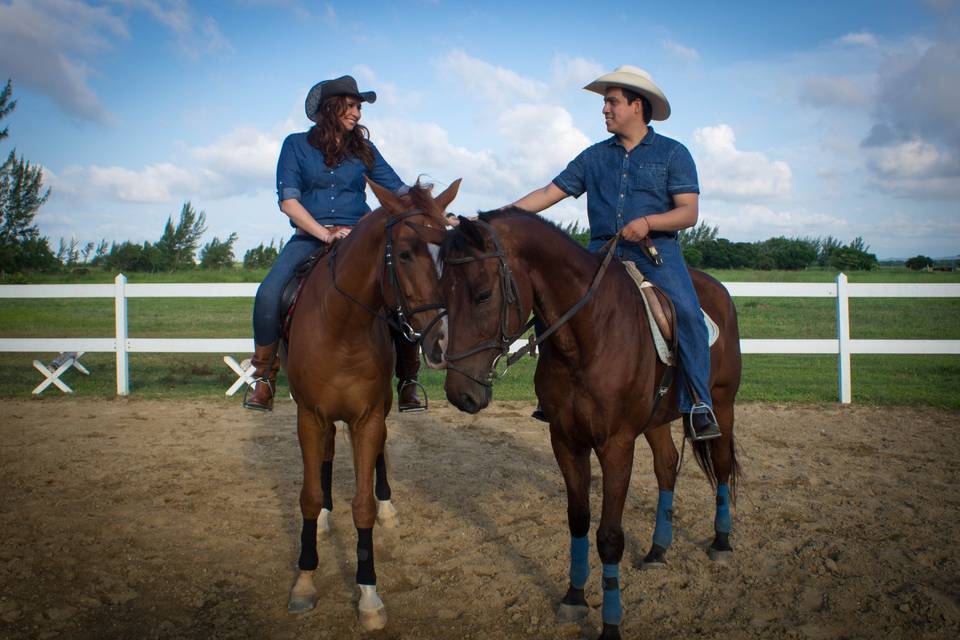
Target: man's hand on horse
(636,230)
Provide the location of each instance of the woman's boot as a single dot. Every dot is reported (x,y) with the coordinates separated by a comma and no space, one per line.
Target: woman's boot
(266,364)
(408,365)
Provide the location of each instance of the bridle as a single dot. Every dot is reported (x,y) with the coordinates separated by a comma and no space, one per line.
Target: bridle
(396,315)
(510,297)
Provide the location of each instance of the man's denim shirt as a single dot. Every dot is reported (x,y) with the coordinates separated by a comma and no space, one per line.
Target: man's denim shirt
(622,186)
(332,195)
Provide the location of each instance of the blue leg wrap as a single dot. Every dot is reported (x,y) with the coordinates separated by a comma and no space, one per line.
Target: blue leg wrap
(612,610)
(663,532)
(579,561)
(721,522)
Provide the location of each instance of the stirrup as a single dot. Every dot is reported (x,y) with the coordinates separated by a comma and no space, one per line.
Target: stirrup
(246,391)
(412,409)
(692,432)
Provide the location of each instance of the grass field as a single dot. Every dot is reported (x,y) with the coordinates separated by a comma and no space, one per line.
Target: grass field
(881,379)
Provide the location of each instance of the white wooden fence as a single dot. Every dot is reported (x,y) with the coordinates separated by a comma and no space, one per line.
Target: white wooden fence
(122,344)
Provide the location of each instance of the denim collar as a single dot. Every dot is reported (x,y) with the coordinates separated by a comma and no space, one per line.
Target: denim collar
(647,139)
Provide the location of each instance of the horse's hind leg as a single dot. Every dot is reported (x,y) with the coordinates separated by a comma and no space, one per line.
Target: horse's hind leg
(575,466)
(386,512)
(665,467)
(724,463)
(313,435)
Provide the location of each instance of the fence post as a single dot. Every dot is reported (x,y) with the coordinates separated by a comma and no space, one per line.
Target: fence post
(843,339)
(120,315)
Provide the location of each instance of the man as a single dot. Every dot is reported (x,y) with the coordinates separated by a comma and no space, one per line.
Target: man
(645,185)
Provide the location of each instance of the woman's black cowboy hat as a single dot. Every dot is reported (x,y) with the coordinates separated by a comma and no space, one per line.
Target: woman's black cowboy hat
(342,86)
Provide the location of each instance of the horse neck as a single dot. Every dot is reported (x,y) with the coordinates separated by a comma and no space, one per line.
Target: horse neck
(358,268)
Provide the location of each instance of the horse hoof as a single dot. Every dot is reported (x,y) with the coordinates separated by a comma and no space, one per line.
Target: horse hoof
(303,595)
(649,565)
(610,632)
(323,521)
(655,559)
(387,515)
(373,620)
(722,556)
(572,612)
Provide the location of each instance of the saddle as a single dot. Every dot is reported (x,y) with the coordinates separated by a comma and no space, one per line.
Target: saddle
(291,290)
(662,321)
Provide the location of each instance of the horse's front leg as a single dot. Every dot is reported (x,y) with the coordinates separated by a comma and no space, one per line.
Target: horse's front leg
(616,460)
(665,467)
(326,478)
(367,438)
(313,435)
(574,463)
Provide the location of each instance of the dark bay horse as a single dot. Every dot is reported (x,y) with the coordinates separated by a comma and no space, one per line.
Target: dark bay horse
(340,363)
(596,377)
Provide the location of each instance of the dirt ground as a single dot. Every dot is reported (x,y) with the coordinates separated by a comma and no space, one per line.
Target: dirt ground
(179,519)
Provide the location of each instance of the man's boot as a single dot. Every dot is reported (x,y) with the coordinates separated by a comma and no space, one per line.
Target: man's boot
(408,365)
(266,364)
(701,425)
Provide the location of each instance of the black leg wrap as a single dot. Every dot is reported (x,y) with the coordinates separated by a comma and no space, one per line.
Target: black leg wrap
(610,545)
(308,546)
(382,487)
(365,572)
(326,483)
(579,523)
(574,598)
(722,542)
(610,632)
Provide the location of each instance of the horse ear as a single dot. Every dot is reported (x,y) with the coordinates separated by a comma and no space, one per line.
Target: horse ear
(444,199)
(471,232)
(430,235)
(388,199)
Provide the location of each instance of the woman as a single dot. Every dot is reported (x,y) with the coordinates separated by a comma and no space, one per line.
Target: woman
(321,187)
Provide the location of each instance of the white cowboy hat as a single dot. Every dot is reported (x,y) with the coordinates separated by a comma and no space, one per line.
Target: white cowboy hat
(638,80)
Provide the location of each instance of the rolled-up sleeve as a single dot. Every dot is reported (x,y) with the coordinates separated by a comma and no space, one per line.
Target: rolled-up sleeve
(572,180)
(682,173)
(384,175)
(289,179)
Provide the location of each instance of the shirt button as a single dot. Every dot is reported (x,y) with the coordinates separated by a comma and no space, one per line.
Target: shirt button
(621,195)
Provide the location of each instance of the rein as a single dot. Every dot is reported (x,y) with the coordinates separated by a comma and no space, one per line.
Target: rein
(510,297)
(396,317)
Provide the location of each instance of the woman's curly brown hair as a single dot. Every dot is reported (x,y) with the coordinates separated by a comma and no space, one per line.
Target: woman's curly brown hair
(334,143)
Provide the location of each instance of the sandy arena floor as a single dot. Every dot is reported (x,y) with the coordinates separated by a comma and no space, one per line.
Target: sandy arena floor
(163,519)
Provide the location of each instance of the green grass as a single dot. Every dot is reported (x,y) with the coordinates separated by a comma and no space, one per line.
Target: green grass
(880,379)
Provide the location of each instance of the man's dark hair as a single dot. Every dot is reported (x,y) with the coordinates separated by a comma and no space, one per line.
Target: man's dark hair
(632,96)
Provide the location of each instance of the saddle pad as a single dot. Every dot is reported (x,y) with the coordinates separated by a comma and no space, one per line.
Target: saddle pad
(663,348)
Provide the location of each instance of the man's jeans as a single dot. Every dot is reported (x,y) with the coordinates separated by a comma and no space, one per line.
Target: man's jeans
(266,312)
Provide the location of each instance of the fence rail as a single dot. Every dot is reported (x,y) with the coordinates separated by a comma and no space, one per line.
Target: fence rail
(122,344)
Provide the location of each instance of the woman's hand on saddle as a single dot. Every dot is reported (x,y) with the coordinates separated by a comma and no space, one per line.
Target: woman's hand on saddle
(636,230)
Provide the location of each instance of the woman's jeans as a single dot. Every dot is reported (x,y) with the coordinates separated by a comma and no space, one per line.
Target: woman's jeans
(266,307)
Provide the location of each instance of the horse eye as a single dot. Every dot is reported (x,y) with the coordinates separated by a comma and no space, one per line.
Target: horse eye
(484,297)
(405,256)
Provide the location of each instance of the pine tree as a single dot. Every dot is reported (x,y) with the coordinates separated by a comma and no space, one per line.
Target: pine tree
(177,246)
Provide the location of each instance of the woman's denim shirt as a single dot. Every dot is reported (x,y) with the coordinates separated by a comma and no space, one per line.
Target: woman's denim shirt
(332,195)
(622,186)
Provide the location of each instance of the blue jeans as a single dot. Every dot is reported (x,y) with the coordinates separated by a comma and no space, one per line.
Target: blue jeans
(266,311)
(673,279)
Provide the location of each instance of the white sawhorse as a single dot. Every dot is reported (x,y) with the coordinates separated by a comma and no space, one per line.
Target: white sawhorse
(59,366)
(244,371)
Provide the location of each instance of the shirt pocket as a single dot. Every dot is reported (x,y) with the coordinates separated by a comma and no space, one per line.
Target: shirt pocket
(651,177)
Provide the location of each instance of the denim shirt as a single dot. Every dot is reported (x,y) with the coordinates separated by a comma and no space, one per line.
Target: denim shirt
(622,186)
(333,195)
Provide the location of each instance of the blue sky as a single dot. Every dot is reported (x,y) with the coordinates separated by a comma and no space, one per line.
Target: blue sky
(805,119)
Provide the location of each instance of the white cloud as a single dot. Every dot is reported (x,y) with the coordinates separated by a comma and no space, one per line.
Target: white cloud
(829,91)
(862,38)
(687,54)
(916,167)
(753,221)
(727,173)
(542,140)
(574,72)
(486,81)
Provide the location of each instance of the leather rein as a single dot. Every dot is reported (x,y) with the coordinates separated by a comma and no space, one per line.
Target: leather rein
(510,298)
(395,317)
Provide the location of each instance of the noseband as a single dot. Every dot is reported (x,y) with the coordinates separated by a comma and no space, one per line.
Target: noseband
(510,297)
(395,317)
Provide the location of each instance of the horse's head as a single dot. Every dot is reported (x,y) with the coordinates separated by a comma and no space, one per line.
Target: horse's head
(416,226)
(485,311)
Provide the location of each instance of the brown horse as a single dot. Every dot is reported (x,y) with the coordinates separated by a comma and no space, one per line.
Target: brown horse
(340,362)
(596,378)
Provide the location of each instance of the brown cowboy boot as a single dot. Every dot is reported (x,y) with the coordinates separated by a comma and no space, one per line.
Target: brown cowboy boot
(408,364)
(266,365)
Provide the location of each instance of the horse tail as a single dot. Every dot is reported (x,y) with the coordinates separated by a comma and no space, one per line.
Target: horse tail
(701,452)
